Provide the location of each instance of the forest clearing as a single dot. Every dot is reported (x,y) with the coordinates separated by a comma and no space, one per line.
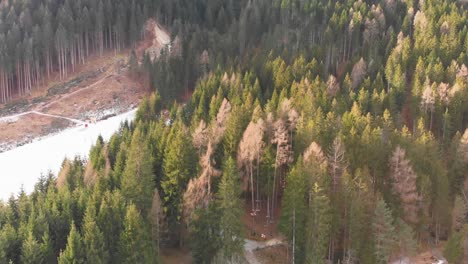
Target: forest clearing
(98,89)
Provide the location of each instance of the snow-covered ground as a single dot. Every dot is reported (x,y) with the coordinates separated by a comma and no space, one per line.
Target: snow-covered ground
(23,166)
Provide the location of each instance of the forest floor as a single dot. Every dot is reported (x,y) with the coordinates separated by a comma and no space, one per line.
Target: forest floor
(176,256)
(96,90)
(263,243)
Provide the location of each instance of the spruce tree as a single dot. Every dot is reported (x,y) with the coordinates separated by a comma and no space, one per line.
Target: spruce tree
(293,215)
(138,178)
(31,252)
(318,226)
(230,206)
(74,251)
(135,241)
(93,239)
(453,250)
(179,167)
(383,231)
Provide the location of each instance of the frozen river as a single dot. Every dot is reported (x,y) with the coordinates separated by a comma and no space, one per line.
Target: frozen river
(23,166)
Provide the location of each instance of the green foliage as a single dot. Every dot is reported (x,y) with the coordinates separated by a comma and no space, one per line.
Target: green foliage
(255,54)
(135,242)
(383,230)
(179,166)
(230,206)
(74,252)
(204,234)
(294,212)
(93,239)
(31,251)
(317,226)
(453,250)
(138,177)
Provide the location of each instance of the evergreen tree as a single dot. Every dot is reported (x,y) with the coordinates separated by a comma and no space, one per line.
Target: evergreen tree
(383,231)
(294,212)
(135,241)
(93,239)
(31,252)
(74,252)
(204,234)
(230,206)
(318,226)
(453,250)
(179,167)
(138,177)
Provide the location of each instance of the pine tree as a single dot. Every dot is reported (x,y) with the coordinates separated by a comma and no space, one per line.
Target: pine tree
(110,222)
(93,239)
(230,206)
(383,231)
(156,221)
(318,226)
(405,239)
(453,250)
(31,252)
(74,252)
(205,240)
(179,164)
(135,241)
(294,211)
(133,63)
(138,178)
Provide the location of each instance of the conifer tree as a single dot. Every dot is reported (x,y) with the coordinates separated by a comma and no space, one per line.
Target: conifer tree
(74,252)
(138,178)
(179,167)
(93,239)
(383,231)
(135,241)
(453,250)
(31,252)
(318,226)
(110,222)
(293,214)
(230,206)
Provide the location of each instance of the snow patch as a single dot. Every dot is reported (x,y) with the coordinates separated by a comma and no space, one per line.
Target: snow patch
(23,165)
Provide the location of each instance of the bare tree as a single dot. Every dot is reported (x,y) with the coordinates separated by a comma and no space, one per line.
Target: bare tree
(203,134)
(219,125)
(314,152)
(200,136)
(198,193)
(358,73)
(250,149)
(420,20)
(428,100)
(443,92)
(337,162)
(332,86)
(404,185)
(283,128)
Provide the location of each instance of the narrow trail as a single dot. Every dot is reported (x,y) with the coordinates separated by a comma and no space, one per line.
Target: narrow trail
(75,92)
(13,117)
(37,110)
(61,117)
